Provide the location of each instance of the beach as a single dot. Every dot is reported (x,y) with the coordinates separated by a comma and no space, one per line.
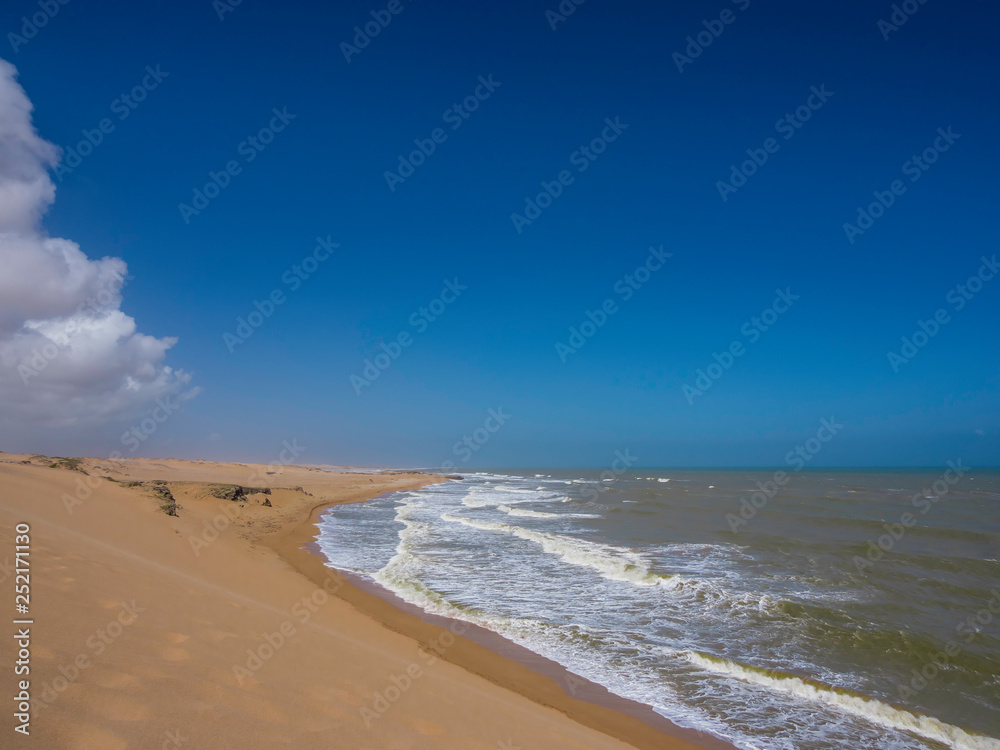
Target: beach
(215,627)
(646,378)
(815,609)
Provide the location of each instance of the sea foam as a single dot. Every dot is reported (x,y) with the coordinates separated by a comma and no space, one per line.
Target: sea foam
(868,708)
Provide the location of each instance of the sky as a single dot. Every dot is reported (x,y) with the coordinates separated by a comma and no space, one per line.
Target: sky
(525,234)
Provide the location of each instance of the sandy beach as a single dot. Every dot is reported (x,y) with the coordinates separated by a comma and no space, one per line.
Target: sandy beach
(216,627)
(645,377)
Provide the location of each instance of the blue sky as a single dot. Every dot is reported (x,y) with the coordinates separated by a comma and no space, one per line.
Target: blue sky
(656,184)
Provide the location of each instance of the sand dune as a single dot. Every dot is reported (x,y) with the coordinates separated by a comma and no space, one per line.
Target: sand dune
(214,629)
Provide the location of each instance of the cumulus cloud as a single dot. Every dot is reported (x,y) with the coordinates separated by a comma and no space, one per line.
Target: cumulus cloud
(68,354)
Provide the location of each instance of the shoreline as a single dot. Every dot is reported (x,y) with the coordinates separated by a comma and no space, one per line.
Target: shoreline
(222,625)
(484,652)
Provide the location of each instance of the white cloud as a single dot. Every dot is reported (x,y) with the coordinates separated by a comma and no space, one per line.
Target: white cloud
(68,354)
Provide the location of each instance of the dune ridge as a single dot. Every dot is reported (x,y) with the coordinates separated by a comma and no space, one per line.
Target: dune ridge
(215,628)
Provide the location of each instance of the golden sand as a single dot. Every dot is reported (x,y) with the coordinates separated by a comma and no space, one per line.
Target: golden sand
(214,628)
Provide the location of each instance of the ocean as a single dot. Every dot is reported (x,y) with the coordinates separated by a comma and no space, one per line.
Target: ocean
(807,610)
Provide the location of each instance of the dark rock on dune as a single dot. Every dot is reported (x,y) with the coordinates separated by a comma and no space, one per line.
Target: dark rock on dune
(235,492)
(169,504)
(73,464)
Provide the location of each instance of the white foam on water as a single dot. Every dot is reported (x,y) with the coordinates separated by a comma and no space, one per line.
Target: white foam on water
(478,502)
(625,565)
(398,571)
(696,547)
(525,512)
(870,709)
(490,497)
(765,711)
(488,475)
(610,562)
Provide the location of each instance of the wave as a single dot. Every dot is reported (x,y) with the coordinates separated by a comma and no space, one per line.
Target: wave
(833,626)
(474,502)
(488,497)
(627,566)
(525,512)
(620,564)
(611,562)
(848,701)
(397,573)
(665,587)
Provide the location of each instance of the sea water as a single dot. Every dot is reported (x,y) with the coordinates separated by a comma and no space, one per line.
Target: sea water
(838,609)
